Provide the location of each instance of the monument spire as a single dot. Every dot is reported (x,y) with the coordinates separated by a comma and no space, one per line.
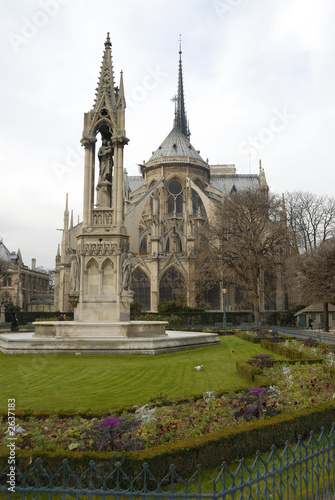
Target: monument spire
(105,92)
(180,120)
(65,238)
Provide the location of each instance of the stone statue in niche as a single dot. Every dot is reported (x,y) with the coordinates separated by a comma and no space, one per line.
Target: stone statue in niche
(74,274)
(127,265)
(105,155)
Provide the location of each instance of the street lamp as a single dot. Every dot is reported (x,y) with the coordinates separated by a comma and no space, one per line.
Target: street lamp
(224,322)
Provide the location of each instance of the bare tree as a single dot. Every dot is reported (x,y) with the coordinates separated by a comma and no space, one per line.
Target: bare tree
(246,239)
(312,277)
(310,217)
(50,273)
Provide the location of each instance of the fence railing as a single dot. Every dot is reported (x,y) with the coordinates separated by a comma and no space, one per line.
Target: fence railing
(326,338)
(305,471)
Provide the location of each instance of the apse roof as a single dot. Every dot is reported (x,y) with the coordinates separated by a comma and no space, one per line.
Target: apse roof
(176,144)
(240,181)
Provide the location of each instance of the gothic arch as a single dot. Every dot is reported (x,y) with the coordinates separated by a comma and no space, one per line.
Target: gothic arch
(144,240)
(90,263)
(170,283)
(175,196)
(140,285)
(179,240)
(104,120)
(92,277)
(144,244)
(108,276)
(197,205)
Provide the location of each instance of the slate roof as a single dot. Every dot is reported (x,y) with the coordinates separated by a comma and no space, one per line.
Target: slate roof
(6,255)
(135,182)
(241,182)
(176,144)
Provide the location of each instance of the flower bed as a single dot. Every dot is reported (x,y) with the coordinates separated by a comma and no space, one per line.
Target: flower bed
(293,386)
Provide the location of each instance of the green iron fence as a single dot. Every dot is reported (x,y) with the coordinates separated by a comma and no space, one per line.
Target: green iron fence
(305,471)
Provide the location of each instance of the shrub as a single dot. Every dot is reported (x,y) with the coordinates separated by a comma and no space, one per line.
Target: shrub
(275,339)
(171,306)
(135,308)
(248,336)
(174,319)
(261,360)
(290,353)
(252,373)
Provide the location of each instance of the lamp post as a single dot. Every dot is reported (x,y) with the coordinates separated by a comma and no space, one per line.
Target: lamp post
(224,321)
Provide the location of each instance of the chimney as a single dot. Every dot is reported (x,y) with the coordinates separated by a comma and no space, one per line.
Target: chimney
(33,264)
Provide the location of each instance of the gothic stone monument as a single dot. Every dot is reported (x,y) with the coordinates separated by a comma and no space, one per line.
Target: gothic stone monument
(101,265)
(100,261)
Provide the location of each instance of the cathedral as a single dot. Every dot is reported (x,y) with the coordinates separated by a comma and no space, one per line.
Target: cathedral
(163,210)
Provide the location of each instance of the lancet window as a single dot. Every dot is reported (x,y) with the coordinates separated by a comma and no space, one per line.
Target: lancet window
(170,286)
(175,197)
(140,285)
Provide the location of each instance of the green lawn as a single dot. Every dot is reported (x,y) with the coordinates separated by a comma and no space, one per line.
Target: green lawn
(78,382)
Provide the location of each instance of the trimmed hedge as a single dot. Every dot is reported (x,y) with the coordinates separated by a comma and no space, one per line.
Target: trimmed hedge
(25,317)
(289,353)
(242,334)
(196,318)
(210,450)
(252,374)
(232,444)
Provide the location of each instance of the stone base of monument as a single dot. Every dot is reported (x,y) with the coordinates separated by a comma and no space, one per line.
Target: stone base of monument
(108,329)
(171,341)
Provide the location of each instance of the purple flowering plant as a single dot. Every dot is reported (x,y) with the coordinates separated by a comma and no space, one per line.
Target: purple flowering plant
(255,403)
(257,390)
(262,360)
(112,433)
(310,342)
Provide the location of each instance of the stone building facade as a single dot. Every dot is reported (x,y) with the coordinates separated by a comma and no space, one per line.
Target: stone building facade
(164,211)
(168,205)
(23,285)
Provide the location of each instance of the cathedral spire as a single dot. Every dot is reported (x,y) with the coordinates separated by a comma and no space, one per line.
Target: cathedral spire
(180,120)
(105,92)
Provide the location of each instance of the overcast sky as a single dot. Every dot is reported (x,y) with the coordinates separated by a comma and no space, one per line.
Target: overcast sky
(258,81)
